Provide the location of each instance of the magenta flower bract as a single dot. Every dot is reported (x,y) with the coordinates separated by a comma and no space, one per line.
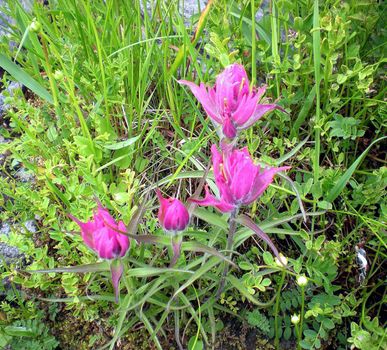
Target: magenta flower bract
(239,180)
(230,103)
(173,215)
(102,234)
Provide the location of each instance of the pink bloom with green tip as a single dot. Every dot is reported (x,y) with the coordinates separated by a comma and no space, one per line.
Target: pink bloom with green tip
(231,103)
(239,180)
(173,215)
(103,234)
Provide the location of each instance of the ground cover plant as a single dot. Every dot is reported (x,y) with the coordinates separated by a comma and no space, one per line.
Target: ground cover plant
(207,181)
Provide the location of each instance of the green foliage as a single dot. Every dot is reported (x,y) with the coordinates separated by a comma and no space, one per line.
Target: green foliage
(345,127)
(114,123)
(31,333)
(371,336)
(257,319)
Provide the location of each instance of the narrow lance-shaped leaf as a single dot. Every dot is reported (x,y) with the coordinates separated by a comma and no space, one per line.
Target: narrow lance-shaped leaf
(344,179)
(22,77)
(246,221)
(199,247)
(97,267)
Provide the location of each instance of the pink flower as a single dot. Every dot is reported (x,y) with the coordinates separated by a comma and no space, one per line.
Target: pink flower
(102,236)
(230,102)
(173,215)
(239,180)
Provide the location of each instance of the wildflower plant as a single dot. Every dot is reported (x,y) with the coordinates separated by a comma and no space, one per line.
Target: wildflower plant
(233,106)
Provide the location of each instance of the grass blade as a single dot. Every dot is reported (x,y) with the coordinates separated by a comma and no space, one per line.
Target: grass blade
(24,78)
(198,247)
(308,103)
(97,267)
(338,188)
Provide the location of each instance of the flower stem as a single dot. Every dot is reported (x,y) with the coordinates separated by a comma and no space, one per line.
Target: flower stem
(276,309)
(230,240)
(301,318)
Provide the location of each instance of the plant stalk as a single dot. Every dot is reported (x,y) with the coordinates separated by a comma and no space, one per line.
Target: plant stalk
(230,241)
(276,309)
(301,318)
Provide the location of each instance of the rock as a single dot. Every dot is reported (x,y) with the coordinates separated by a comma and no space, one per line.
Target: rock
(5,154)
(10,254)
(5,228)
(9,91)
(190,8)
(30,225)
(24,175)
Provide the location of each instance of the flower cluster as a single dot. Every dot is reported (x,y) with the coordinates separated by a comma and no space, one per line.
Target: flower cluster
(233,106)
(230,103)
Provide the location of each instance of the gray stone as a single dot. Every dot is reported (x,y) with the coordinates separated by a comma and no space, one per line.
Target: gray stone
(10,254)
(30,225)
(187,8)
(5,154)
(24,175)
(5,228)
(9,91)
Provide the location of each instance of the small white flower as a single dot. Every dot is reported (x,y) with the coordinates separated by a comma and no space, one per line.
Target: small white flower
(302,281)
(282,261)
(295,319)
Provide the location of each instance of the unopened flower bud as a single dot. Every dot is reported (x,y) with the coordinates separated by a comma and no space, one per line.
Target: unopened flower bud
(302,281)
(58,75)
(282,261)
(35,26)
(295,319)
(173,215)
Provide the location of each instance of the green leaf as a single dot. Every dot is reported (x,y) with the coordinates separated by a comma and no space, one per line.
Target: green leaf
(246,266)
(268,258)
(290,154)
(97,267)
(195,344)
(208,265)
(24,78)
(328,323)
(152,271)
(57,192)
(122,144)
(16,331)
(319,241)
(198,247)
(324,205)
(211,218)
(344,179)
(307,105)
(236,283)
